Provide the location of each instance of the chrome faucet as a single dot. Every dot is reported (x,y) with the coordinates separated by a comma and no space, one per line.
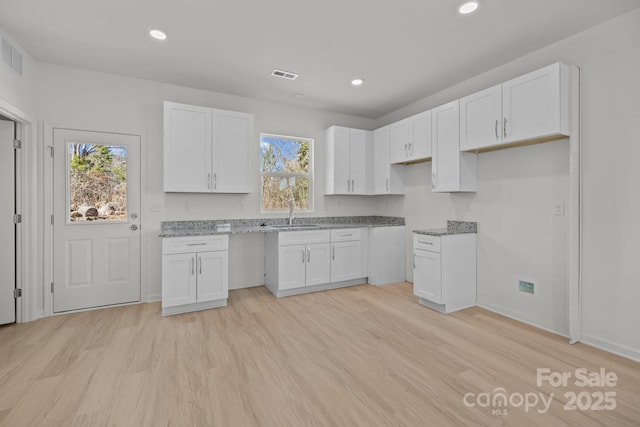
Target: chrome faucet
(291,215)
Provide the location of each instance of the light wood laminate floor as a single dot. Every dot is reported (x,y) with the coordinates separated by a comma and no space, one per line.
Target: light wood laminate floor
(359,356)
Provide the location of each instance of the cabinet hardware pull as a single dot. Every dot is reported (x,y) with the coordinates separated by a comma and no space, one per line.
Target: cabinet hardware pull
(410,148)
(414,261)
(424,242)
(209,181)
(504,128)
(387,184)
(348,187)
(433,180)
(192,266)
(215,181)
(405,150)
(353,185)
(303,255)
(200,262)
(333,252)
(497,130)
(346,235)
(308,254)
(197,244)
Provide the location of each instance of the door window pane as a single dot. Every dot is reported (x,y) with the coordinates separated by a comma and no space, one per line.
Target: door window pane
(97,183)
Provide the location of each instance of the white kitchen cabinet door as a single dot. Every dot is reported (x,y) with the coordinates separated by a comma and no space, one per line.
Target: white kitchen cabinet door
(318,267)
(291,267)
(452,170)
(533,104)
(420,136)
(346,260)
(381,165)
(358,161)
(179,279)
(213,275)
(230,153)
(427,275)
(187,147)
(399,141)
(481,119)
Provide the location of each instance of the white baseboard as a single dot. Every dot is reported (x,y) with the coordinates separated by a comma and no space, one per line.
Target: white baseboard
(619,349)
(524,319)
(154,298)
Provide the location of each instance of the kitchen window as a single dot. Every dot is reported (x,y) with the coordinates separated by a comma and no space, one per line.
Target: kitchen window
(286,172)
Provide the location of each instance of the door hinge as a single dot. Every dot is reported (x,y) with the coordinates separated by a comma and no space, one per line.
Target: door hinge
(17,144)
(17,293)
(51,287)
(17,219)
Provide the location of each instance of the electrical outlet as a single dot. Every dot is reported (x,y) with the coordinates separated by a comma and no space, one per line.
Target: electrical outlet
(526,287)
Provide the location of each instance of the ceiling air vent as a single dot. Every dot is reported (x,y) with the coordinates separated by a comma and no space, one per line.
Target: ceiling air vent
(11,57)
(284,74)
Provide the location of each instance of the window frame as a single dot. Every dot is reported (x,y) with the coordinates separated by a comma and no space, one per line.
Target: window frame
(308,176)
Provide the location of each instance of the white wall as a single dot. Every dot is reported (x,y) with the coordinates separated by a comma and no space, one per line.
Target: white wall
(82,99)
(517,188)
(15,90)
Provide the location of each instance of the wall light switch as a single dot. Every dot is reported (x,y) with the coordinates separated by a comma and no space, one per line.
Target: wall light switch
(558,208)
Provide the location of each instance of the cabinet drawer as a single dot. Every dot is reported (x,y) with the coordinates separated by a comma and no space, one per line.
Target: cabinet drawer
(346,234)
(177,245)
(426,242)
(303,237)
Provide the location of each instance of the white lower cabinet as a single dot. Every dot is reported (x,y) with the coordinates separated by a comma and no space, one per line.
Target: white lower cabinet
(306,261)
(387,262)
(346,254)
(195,273)
(444,271)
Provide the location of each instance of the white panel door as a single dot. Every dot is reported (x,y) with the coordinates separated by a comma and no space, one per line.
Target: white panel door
(399,141)
(446,148)
(179,279)
(187,148)
(318,264)
(420,142)
(7,227)
(346,260)
(231,141)
(531,105)
(291,268)
(213,275)
(481,119)
(96,205)
(427,275)
(358,163)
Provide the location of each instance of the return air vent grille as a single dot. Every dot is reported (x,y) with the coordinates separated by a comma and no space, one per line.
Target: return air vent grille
(284,74)
(11,57)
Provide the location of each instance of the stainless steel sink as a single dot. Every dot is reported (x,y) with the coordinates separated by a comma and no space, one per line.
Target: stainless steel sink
(295,226)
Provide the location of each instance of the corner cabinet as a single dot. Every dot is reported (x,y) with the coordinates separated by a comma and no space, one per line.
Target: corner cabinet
(347,161)
(444,271)
(195,273)
(533,106)
(206,150)
(452,170)
(410,139)
(387,178)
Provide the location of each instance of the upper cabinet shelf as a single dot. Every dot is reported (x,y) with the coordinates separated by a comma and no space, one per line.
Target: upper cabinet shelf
(206,150)
(531,107)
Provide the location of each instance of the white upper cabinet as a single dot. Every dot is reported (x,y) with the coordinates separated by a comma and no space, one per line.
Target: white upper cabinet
(347,161)
(386,178)
(529,107)
(206,150)
(452,170)
(481,119)
(410,139)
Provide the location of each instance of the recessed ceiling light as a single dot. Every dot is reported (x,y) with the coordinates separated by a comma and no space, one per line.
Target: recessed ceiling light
(357,82)
(468,7)
(298,95)
(158,34)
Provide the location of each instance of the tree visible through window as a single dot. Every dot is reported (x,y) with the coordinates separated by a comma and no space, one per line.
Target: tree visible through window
(286,172)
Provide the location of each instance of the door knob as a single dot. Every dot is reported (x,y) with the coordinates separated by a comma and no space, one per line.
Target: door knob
(134,227)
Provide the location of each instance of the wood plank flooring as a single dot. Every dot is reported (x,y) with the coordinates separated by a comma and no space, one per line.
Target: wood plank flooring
(359,356)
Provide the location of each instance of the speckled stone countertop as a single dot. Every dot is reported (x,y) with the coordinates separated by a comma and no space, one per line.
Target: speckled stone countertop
(453,227)
(271,225)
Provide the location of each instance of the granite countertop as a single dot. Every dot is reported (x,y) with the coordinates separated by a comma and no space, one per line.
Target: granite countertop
(453,227)
(270,225)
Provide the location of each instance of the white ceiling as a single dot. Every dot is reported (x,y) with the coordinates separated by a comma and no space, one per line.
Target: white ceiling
(405,49)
